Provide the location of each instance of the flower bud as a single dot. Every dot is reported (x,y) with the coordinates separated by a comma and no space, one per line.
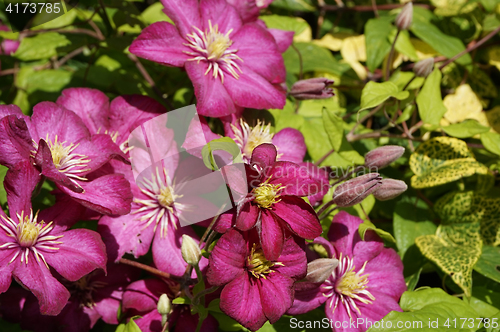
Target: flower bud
(389,189)
(313,88)
(405,16)
(164,307)
(354,191)
(383,156)
(190,250)
(424,67)
(321,269)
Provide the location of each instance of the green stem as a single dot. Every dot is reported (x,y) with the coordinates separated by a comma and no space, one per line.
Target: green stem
(389,59)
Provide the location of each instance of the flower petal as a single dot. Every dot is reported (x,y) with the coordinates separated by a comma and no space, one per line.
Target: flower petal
(290,144)
(221,13)
(247,216)
(99,151)
(10,110)
(160,42)
(385,267)
(272,236)
(81,252)
(35,276)
(19,184)
(184,13)
(343,232)
(211,95)
(276,294)
(5,267)
(225,221)
(294,260)
(142,295)
(296,179)
(15,140)
(227,260)
(91,105)
(283,38)
(240,300)
(299,215)
(308,296)
(264,156)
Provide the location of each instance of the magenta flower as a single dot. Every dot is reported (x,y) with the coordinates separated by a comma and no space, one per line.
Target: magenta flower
(274,204)
(31,243)
(141,298)
(249,9)
(8,46)
(367,283)
(256,289)
(231,64)
(61,147)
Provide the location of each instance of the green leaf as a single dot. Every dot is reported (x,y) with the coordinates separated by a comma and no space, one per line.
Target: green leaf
(154,13)
(295,24)
(3,193)
(286,118)
(428,310)
(403,44)
(446,45)
(430,104)
(294,5)
(221,144)
(131,326)
(377,31)
(181,300)
(334,128)
(491,142)
(485,301)
(465,129)
(374,94)
(412,281)
(42,46)
(226,323)
(368,225)
(489,263)
(442,160)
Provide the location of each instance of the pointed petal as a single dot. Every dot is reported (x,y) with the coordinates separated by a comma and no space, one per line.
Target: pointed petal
(35,276)
(384,267)
(290,145)
(251,90)
(15,140)
(5,267)
(240,300)
(379,308)
(343,232)
(227,260)
(308,296)
(52,119)
(299,215)
(91,105)
(160,42)
(108,308)
(19,184)
(319,174)
(283,38)
(142,295)
(184,13)
(247,216)
(212,98)
(265,60)
(276,293)
(330,251)
(264,156)
(10,110)
(220,13)
(64,213)
(272,236)
(225,221)
(99,151)
(109,194)
(297,179)
(294,260)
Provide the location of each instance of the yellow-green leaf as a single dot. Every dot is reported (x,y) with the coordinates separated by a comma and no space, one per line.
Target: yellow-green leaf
(374,94)
(429,102)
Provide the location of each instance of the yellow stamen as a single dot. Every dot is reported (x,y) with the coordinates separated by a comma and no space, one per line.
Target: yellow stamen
(267,194)
(258,265)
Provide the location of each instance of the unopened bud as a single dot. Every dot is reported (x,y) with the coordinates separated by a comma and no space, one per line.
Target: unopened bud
(354,191)
(389,189)
(321,269)
(424,67)
(190,250)
(164,307)
(405,16)
(383,156)
(313,88)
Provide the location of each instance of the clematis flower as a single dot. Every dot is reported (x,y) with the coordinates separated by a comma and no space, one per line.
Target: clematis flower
(94,296)
(231,64)
(8,46)
(249,9)
(274,204)
(255,289)
(366,284)
(32,244)
(61,147)
(141,298)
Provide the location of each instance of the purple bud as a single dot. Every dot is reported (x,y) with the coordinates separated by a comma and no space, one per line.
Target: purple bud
(354,191)
(389,189)
(321,269)
(424,67)
(404,18)
(313,88)
(383,156)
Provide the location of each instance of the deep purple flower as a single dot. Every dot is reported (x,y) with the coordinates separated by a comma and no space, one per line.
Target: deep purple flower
(231,64)
(30,243)
(59,144)
(367,283)
(256,289)
(274,204)
(141,298)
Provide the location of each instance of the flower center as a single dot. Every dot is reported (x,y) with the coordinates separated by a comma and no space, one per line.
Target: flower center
(249,138)
(267,194)
(28,231)
(166,197)
(258,265)
(83,289)
(67,162)
(214,47)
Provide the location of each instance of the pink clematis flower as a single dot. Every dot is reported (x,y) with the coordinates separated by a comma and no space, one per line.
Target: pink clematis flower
(31,244)
(231,64)
(8,46)
(58,143)
(141,298)
(256,289)
(274,204)
(367,283)
(249,9)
